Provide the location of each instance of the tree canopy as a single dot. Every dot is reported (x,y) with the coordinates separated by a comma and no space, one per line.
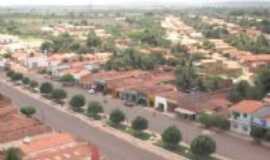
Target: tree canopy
(132,59)
(77,102)
(171,137)
(94,109)
(46,88)
(116,117)
(139,124)
(59,94)
(203,146)
(28,110)
(242,41)
(186,76)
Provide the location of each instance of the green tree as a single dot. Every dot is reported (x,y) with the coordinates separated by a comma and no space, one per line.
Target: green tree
(17,77)
(240,91)
(62,43)
(203,146)
(171,137)
(257,133)
(267,135)
(77,102)
(94,109)
(67,78)
(28,110)
(93,41)
(59,94)
(206,120)
(221,122)
(186,76)
(46,46)
(263,79)
(139,124)
(46,88)
(13,154)
(116,117)
(208,45)
(265,25)
(26,81)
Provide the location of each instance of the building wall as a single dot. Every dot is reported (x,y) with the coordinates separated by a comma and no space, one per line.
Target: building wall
(36,62)
(161,101)
(241,123)
(261,122)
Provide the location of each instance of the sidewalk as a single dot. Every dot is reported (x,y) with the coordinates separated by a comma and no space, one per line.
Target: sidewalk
(145,145)
(101,126)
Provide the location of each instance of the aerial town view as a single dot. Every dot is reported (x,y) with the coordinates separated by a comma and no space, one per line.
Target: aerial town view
(135,80)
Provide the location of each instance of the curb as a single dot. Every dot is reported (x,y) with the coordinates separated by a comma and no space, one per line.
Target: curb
(116,133)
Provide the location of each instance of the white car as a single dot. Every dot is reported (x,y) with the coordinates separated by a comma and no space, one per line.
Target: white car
(91,91)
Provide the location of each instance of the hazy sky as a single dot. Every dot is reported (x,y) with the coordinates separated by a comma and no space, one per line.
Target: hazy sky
(85,2)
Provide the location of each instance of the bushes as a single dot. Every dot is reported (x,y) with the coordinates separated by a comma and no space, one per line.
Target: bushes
(203,146)
(171,137)
(139,124)
(59,95)
(116,117)
(68,79)
(214,121)
(206,120)
(221,122)
(16,76)
(94,109)
(28,111)
(77,102)
(258,133)
(26,81)
(46,88)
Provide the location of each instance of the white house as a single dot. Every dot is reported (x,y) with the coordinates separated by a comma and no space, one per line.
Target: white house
(36,61)
(57,70)
(242,115)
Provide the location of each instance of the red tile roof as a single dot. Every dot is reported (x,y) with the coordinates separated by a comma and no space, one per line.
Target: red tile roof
(201,102)
(14,126)
(56,146)
(247,106)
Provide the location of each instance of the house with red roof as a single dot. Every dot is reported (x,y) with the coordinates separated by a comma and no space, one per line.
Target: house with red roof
(192,104)
(58,146)
(242,115)
(14,126)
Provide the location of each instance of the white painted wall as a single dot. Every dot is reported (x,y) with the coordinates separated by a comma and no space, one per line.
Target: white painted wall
(161,100)
(39,62)
(241,124)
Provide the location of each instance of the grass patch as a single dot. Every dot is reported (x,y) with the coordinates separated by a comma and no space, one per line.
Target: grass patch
(141,135)
(184,151)
(95,117)
(120,127)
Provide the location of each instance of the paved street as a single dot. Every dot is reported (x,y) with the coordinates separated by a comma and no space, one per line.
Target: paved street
(112,147)
(228,146)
